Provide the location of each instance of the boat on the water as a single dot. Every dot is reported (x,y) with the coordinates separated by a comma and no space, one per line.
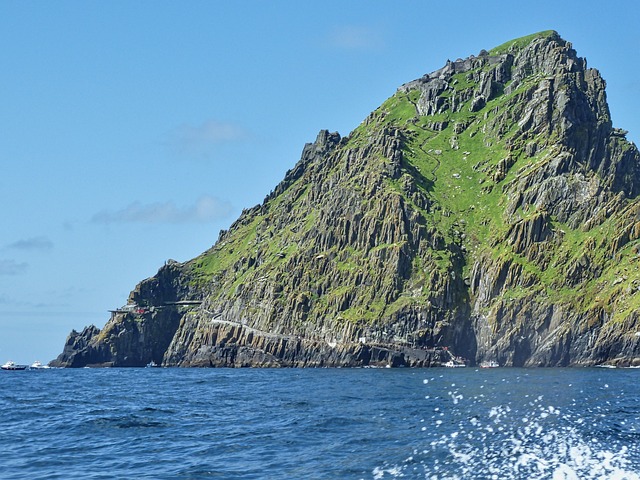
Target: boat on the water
(489,364)
(152,364)
(13,366)
(454,364)
(37,365)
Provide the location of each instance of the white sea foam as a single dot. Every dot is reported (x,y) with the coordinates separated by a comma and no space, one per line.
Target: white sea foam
(531,439)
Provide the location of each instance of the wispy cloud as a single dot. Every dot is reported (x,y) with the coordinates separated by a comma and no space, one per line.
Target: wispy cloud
(11,267)
(35,243)
(353,37)
(201,140)
(205,209)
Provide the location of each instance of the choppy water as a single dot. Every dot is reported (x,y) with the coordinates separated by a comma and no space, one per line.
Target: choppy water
(320,424)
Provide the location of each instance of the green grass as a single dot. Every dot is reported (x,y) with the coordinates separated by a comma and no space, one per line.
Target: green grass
(466,208)
(461,185)
(520,43)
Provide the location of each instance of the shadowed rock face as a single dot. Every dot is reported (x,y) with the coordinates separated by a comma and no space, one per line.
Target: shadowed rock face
(487,209)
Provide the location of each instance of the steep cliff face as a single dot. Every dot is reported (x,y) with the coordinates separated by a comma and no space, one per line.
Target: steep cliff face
(487,209)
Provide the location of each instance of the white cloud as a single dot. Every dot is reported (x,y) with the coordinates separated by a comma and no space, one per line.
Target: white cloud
(11,267)
(35,243)
(352,37)
(205,209)
(201,140)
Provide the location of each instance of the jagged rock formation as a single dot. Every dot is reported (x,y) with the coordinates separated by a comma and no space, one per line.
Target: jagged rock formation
(488,209)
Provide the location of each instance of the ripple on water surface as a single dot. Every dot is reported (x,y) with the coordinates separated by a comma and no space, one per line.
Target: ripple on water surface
(510,426)
(317,424)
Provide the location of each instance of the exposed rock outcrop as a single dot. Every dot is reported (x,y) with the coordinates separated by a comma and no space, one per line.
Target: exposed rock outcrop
(488,209)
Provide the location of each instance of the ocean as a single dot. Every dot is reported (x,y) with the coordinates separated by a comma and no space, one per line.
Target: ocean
(439,423)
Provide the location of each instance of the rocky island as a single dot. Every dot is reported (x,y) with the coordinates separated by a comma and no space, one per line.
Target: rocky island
(488,209)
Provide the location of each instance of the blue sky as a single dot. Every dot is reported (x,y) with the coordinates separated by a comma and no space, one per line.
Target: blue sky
(131,132)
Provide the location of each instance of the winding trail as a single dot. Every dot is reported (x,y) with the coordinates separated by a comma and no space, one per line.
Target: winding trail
(426,140)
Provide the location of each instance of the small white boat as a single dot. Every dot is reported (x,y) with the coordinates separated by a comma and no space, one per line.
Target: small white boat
(452,364)
(37,365)
(13,366)
(489,364)
(152,364)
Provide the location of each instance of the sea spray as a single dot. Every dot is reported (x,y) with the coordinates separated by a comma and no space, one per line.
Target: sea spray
(499,433)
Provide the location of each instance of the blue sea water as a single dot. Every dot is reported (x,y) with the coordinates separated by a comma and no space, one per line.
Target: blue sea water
(320,424)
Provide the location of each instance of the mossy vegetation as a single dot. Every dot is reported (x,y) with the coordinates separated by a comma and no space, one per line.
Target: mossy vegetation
(456,170)
(456,166)
(513,46)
